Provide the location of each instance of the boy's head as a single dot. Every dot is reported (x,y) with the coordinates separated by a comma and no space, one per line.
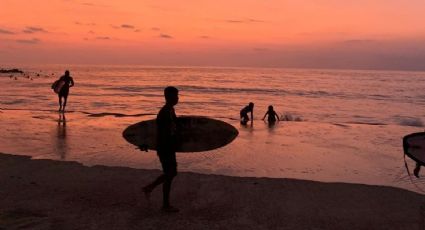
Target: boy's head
(251,105)
(67,73)
(270,108)
(171,95)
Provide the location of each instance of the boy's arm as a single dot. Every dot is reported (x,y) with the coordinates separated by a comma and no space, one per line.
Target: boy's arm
(72,82)
(252,115)
(264,116)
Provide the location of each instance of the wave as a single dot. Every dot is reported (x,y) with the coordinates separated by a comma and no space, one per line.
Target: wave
(117,114)
(409,121)
(290,117)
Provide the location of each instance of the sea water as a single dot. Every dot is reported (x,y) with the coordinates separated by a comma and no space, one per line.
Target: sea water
(339,125)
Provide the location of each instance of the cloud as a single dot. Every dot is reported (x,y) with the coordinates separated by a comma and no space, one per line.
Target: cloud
(88,4)
(127,26)
(28,41)
(93,4)
(245,21)
(103,38)
(85,24)
(359,41)
(32,29)
(235,21)
(155,29)
(205,37)
(137,31)
(166,36)
(2,31)
(260,49)
(254,20)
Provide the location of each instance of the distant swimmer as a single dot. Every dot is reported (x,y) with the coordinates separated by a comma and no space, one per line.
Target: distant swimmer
(64,91)
(272,116)
(244,113)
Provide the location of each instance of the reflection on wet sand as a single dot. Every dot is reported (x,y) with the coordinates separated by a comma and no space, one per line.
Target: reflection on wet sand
(61,147)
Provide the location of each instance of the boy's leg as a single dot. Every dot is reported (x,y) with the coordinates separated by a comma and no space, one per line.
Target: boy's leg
(150,187)
(166,207)
(60,102)
(416,170)
(169,165)
(64,103)
(244,119)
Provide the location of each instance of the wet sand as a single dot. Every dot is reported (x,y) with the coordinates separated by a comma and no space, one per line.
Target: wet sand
(47,194)
(341,152)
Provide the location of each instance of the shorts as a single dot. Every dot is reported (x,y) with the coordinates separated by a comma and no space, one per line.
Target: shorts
(244,117)
(168,162)
(64,92)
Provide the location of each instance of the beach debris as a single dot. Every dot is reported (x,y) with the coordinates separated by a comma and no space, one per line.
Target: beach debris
(11,71)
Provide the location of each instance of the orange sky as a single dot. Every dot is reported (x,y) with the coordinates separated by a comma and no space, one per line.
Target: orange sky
(286,33)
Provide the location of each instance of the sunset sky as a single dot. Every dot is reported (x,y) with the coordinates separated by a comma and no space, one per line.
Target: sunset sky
(364,34)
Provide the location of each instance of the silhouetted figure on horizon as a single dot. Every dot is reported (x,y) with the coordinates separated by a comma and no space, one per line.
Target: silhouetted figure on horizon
(166,138)
(272,116)
(244,113)
(63,93)
(417,169)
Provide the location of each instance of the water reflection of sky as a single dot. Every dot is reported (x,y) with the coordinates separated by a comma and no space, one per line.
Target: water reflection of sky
(357,153)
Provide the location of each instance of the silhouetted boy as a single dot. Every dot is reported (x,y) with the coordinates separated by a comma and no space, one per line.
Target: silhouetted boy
(63,93)
(244,113)
(272,115)
(166,131)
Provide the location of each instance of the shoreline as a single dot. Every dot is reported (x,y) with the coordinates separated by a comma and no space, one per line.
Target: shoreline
(48,194)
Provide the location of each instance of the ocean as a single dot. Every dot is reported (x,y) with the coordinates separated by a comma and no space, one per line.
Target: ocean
(339,125)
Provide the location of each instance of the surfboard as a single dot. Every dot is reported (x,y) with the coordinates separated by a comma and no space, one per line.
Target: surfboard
(57,85)
(414,147)
(194,134)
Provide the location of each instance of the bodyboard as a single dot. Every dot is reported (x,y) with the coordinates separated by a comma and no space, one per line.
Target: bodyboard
(414,147)
(57,85)
(194,134)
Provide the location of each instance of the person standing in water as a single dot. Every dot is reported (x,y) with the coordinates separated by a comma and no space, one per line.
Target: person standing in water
(272,116)
(166,138)
(63,93)
(244,113)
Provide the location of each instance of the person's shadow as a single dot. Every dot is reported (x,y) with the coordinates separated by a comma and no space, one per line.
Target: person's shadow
(61,136)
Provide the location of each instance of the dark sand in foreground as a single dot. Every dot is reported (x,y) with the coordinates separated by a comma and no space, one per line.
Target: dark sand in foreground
(46,194)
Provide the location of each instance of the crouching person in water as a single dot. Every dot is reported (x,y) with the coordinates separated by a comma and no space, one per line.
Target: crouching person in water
(244,113)
(166,131)
(272,116)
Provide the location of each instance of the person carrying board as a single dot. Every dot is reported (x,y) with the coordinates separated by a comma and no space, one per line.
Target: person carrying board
(166,139)
(66,82)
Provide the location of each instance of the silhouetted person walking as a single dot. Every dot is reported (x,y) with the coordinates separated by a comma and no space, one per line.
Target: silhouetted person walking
(244,113)
(63,93)
(166,138)
(272,116)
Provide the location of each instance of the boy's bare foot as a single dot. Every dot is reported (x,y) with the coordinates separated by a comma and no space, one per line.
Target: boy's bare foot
(169,209)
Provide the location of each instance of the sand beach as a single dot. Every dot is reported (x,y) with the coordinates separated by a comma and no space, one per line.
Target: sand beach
(47,194)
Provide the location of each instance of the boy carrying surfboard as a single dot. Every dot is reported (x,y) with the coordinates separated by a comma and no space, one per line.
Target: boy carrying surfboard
(166,138)
(61,87)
